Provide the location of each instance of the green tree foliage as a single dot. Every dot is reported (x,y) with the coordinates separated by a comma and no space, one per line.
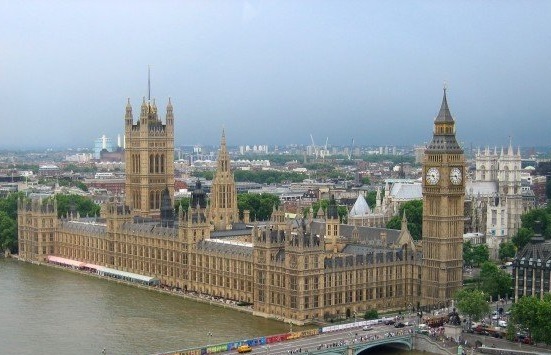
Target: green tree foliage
(8,233)
(81,185)
(481,254)
(533,314)
(371,314)
(473,303)
(538,214)
(9,204)
(8,222)
(522,237)
(259,205)
(84,205)
(182,203)
(79,168)
(366,180)
(507,250)
(414,215)
(468,253)
(474,255)
(258,176)
(495,281)
(371,199)
(543,215)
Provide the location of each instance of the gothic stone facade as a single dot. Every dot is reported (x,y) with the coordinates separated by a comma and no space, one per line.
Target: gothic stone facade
(294,270)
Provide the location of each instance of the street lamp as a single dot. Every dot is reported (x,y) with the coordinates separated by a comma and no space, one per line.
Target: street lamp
(354,318)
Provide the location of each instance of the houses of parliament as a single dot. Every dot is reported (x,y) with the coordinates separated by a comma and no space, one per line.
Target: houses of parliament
(294,269)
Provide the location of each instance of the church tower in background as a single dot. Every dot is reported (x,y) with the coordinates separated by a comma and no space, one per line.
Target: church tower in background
(223,210)
(149,159)
(443,215)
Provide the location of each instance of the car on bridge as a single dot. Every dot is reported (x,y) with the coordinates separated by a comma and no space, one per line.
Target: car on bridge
(244,348)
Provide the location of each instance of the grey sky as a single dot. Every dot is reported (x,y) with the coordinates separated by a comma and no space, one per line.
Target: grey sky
(274,72)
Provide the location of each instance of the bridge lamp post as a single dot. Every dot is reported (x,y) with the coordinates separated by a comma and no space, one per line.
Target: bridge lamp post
(354,318)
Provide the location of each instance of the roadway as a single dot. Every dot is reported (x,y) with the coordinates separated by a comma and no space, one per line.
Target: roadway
(328,340)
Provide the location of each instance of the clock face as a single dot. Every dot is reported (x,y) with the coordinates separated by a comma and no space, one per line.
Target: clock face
(433,176)
(455,176)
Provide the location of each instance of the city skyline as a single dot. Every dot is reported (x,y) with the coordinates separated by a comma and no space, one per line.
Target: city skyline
(274,73)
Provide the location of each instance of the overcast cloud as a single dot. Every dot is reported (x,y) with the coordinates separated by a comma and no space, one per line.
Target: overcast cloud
(274,72)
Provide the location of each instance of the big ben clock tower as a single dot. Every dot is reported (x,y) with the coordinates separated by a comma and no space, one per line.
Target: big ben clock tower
(443,217)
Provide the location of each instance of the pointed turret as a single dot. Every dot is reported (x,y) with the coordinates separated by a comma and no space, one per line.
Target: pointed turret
(128,119)
(223,156)
(510,149)
(444,114)
(443,138)
(404,221)
(169,114)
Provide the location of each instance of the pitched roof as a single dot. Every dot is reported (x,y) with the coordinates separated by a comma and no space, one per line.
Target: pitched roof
(482,188)
(444,115)
(360,208)
(406,191)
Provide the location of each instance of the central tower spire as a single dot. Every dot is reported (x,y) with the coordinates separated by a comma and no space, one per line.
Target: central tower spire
(223,208)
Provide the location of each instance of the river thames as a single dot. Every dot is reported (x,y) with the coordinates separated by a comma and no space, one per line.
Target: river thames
(51,311)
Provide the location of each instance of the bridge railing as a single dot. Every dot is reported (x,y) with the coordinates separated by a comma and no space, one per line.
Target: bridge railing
(224,347)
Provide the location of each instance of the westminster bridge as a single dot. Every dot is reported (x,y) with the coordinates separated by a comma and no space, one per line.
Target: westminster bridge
(346,339)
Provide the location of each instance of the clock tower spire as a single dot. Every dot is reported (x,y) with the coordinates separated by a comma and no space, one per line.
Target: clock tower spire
(443,212)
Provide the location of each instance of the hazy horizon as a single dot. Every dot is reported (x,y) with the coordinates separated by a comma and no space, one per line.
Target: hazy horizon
(276,72)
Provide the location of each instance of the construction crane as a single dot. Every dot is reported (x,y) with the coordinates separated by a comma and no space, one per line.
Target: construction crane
(315,150)
(324,152)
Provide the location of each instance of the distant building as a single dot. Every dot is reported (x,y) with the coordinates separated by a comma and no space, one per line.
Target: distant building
(100,144)
(496,198)
(532,268)
(362,215)
(49,170)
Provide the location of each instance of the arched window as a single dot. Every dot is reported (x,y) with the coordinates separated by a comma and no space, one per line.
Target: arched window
(162,163)
(157,163)
(151,163)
